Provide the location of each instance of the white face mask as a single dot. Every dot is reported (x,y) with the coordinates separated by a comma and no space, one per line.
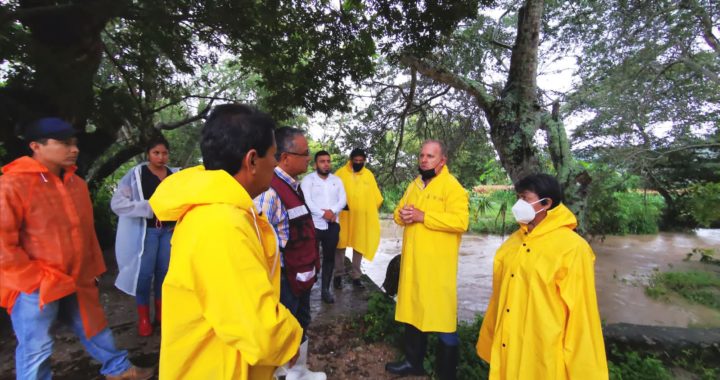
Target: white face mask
(524,212)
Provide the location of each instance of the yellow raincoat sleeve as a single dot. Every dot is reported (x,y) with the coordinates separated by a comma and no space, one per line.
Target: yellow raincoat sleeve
(377,195)
(584,348)
(455,217)
(487,330)
(237,299)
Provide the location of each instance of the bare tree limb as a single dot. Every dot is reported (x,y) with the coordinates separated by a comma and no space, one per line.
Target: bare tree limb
(403,116)
(191,119)
(451,79)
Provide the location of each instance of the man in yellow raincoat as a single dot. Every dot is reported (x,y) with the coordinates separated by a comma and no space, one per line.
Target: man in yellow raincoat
(360,222)
(542,321)
(434,212)
(223,318)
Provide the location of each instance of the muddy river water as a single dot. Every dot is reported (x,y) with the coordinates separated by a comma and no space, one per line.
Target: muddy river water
(622,267)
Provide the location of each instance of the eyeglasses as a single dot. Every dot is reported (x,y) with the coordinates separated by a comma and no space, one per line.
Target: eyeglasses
(304,154)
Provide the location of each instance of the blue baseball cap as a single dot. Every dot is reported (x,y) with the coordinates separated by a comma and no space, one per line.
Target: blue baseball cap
(49,128)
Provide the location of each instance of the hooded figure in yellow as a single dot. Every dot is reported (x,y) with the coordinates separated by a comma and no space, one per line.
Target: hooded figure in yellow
(223,318)
(360,223)
(542,321)
(434,214)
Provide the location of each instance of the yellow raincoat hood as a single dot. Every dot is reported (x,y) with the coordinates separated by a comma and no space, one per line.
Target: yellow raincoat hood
(360,226)
(197,186)
(222,314)
(543,321)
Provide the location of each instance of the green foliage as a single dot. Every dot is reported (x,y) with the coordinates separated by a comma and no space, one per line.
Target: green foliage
(105,219)
(391,196)
(695,286)
(632,366)
(704,203)
(379,321)
(490,212)
(614,208)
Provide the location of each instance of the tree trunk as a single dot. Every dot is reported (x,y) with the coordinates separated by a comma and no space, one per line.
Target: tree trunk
(65,51)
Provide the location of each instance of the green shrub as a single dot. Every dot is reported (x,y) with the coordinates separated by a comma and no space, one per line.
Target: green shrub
(379,321)
(105,219)
(695,286)
(704,203)
(638,213)
(391,197)
(631,366)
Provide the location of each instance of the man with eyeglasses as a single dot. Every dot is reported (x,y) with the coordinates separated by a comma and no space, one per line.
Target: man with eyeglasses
(284,205)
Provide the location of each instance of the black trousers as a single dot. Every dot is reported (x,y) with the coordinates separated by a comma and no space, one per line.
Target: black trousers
(328,241)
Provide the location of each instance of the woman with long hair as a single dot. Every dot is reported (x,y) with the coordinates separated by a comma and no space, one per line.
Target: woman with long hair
(142,244)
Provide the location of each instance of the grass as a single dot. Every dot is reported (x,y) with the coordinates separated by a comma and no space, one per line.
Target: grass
(702,287)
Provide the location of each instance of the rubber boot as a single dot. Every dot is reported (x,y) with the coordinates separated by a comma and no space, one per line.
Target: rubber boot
(144,325)
(415,346)
(447,361)
(300,370)
(158,311)
(326,296)
(337,282)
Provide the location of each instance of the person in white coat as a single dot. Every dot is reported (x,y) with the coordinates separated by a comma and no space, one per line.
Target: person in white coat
(142,243)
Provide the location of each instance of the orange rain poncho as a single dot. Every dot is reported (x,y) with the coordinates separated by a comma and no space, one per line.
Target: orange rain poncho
(48,241)
(542,321)
(360,226)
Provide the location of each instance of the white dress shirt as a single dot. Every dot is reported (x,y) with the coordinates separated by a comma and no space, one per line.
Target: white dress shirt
(323,194)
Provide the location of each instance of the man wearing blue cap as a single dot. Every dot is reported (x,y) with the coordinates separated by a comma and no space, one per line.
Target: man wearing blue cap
(50,256)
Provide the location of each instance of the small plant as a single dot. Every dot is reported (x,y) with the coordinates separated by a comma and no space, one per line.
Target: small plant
(631,366)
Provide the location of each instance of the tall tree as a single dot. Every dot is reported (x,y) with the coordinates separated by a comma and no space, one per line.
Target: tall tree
(305,55)
(649,93)
(514,107)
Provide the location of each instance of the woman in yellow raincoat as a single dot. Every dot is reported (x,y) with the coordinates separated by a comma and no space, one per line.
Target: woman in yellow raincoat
(360,223)
(542,321)
(223,318)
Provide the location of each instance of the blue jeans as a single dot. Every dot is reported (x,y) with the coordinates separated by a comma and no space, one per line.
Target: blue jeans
(299,306)
(32,329)
(153,263)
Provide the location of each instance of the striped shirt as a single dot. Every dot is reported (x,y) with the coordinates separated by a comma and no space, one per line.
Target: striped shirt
(269,203)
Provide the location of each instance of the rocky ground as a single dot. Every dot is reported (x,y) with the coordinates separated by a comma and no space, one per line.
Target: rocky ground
(335,343)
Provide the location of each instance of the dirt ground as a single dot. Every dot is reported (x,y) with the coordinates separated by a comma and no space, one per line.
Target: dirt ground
(335,343)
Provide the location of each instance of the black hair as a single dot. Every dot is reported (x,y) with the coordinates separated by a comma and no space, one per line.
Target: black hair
(321,153)
(544,185)
(357,152)
(230,132)
(155,141)
(285,137)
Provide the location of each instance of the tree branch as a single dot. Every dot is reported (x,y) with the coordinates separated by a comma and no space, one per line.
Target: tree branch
(111,164)
(403,116)
(178,124)
(451,79)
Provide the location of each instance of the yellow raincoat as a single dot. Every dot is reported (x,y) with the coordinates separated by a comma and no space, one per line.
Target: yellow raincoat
(360,226)
(222,316)
(542,321)
(427,292)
